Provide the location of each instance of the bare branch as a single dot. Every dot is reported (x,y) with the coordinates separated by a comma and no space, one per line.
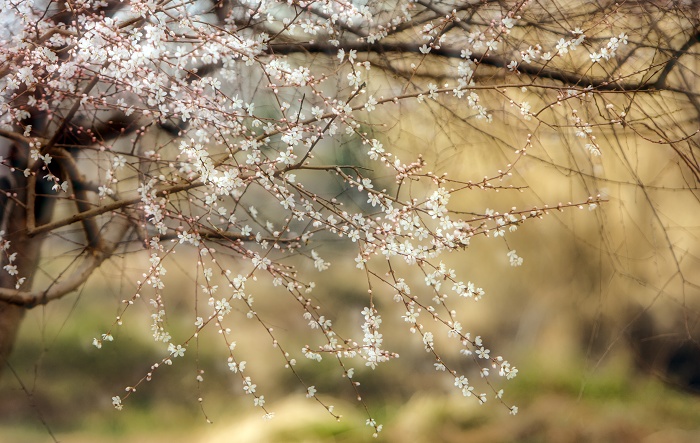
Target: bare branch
(113,232)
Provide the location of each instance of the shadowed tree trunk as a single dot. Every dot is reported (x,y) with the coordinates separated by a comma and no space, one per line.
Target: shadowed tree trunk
(14,225)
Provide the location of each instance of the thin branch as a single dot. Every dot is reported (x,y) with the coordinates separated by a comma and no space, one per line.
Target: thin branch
(119,204)
(114,231)
(675,57)
(67,119)
(30,396)
(67,163)
(12,135)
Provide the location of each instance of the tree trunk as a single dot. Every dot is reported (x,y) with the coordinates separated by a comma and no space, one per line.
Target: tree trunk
(10,320)
(13,221)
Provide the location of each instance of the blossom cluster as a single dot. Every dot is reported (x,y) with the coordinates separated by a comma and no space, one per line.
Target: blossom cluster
(208,126)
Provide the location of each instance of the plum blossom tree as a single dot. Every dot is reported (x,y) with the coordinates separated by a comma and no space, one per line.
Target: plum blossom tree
(228,128)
